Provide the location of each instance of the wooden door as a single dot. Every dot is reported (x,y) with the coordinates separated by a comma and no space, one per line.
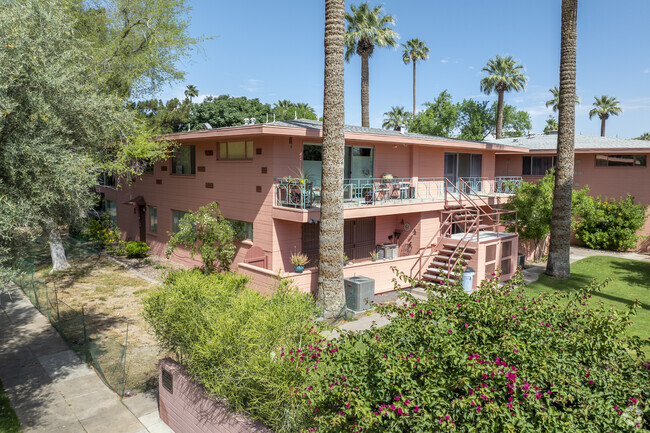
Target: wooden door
(359,238)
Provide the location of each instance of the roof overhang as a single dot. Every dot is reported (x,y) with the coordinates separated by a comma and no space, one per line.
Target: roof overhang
(315,133)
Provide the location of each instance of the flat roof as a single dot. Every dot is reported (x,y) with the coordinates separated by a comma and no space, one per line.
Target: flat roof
(583,143)
(314,129)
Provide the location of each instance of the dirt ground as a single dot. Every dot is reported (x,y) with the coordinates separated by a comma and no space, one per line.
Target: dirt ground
(111,297)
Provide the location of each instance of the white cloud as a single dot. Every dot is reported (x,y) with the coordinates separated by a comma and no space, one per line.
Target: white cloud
(443,61)
(251,85)
(646,71)
(471,68)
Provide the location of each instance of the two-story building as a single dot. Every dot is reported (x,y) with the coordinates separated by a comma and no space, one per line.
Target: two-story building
(423,201)
(611,167)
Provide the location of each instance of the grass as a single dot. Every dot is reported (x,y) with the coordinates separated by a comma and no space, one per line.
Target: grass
(8,420)
(630,281)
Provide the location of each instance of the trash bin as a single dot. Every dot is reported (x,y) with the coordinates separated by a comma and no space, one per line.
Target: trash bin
(468,279)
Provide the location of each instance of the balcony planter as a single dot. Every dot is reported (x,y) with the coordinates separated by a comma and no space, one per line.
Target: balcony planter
(298,268)
(299,260)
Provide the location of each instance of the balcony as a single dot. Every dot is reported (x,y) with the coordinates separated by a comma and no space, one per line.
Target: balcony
(303,194)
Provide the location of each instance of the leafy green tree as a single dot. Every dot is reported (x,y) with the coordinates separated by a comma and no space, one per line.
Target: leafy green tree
(504,75)
(554,102)
(226,110)
(164,118)
(516,123)
(551,125)
(439,118)
(135,45)
(475,120)
(605,106)
(534,205)
(396,118)
(207,233)
(366,28)
(331,293)
(414,50)
(644,136)
(59,127)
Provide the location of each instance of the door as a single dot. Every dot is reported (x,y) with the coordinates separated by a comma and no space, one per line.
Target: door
(142,223)
(359,238)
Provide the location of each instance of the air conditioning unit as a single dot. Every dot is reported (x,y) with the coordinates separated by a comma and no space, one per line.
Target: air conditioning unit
(387,251)
(359,293)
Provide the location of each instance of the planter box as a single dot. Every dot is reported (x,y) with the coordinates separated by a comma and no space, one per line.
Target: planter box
(185,407)
(387,251)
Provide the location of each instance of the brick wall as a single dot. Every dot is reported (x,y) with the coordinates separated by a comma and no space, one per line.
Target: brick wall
(187,409)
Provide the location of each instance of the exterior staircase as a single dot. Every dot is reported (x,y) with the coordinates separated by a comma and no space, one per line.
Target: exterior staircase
(461,223)
(439,269)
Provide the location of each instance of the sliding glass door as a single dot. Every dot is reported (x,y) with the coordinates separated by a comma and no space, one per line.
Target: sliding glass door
(468,166)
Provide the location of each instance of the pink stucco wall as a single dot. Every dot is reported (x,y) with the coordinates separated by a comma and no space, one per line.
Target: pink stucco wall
(189,409)
(245,191)
(611,182)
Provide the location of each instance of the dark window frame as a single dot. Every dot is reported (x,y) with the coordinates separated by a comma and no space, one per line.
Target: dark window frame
(638,160)
(192,160)
(175,229)
(527,167)
(153,210)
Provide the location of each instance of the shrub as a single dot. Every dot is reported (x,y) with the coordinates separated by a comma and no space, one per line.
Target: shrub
(102,230)
(607,225)
(207,233)
(137,249)
(232,339)
(492,361)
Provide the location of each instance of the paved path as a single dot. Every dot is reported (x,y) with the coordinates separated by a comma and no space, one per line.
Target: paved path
(52,390)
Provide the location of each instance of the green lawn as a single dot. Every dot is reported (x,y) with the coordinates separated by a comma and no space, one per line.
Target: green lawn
(630,280)
(8,420)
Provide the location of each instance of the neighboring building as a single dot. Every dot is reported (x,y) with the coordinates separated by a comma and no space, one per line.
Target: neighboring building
(612,167)
(266,178)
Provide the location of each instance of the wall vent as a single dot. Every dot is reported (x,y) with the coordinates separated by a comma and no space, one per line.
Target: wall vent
(209,185)
(158,181)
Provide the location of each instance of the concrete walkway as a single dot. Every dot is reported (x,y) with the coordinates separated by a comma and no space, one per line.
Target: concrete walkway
(52,390)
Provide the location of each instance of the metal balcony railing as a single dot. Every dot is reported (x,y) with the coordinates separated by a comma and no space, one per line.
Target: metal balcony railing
(303,194)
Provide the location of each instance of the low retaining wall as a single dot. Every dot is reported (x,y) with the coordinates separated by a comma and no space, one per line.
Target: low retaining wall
(185,407)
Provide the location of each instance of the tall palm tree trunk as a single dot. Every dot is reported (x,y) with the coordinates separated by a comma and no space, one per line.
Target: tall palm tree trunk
(602,127)
(558,265)
(413,89)
(365,94)
(330,265)
(500,115)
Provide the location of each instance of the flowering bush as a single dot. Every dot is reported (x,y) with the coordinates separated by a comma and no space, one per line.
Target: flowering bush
(493,361)
(608,225)
(232,339)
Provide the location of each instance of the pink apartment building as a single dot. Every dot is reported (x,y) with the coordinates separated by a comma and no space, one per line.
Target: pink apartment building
(612,167)
(422,201)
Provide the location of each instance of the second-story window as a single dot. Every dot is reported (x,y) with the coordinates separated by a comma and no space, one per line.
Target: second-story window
(537,165)
(184,160)
(621,160)
(236,150)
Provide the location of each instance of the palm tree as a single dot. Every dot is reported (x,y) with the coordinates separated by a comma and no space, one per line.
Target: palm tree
(191,92)
(396,118)
(605,106)
(330,264)
(504,75)
(644,136)
(556,99)
(414,50)
(284,105)
(367,28)
(558,254)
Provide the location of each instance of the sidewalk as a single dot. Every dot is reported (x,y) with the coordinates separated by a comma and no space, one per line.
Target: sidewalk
(52,390)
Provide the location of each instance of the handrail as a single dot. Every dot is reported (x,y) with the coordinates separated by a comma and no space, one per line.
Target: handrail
(432,249)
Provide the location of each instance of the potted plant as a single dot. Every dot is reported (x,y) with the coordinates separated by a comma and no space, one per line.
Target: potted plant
(373,256)
(299,260)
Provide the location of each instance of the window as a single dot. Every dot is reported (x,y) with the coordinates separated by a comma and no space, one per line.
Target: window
(621,160)
(111,210)
(537,165)
(236,150)
(177,216)
(184,160)
(106,179)
(243,230)
(153,219)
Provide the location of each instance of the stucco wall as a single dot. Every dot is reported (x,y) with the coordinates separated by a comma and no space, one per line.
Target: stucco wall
(188,409)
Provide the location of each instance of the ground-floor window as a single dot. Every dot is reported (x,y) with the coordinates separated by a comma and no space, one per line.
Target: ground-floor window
(177,216)
(111,210)
(358,239)
(153,219)
(243,229)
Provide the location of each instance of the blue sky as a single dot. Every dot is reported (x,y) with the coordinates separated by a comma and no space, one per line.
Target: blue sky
(274,50)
